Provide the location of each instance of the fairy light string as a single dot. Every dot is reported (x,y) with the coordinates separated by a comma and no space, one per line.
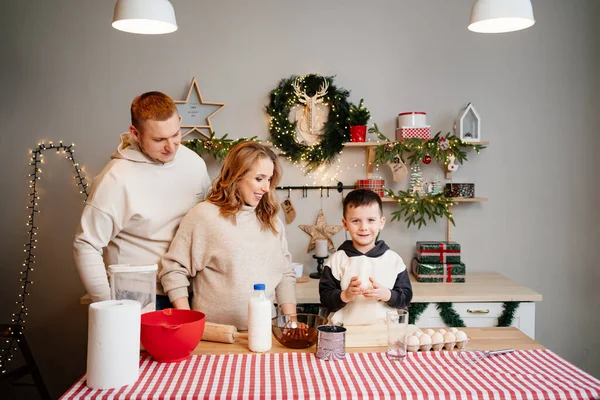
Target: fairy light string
(18,318)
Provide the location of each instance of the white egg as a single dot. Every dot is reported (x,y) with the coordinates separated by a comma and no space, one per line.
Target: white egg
(449,340)
(418,334)
(430,332)
(461,336)
(442,332)
(449,337)
(413,341)
(453,330)
(425,339)
(437,338)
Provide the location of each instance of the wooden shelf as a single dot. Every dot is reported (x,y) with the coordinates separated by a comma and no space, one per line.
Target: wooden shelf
(455,199)
(375,144)
(469,199)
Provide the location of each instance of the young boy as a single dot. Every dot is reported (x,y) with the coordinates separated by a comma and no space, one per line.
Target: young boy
(364,279)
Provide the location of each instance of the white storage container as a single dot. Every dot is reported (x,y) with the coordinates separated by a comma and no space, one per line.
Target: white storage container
(134,282)
(412,119)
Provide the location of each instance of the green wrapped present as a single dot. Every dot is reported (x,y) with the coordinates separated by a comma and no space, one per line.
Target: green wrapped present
(432,272)
(438,252)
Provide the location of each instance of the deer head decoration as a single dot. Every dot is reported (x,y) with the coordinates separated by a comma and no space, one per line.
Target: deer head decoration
(308,122)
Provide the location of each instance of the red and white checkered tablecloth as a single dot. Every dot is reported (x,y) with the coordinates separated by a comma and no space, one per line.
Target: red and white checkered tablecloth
(529,374)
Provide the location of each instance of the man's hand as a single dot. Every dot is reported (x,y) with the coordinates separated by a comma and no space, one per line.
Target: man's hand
(352,290)
(378,292)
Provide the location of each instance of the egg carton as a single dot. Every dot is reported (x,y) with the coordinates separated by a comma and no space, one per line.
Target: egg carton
(447,339)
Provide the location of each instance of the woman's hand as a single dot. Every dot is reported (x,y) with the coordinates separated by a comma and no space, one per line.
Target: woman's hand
(352,290)
(378,292)
(182,303)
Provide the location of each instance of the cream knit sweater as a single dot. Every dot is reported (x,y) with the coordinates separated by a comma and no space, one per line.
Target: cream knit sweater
(224,261)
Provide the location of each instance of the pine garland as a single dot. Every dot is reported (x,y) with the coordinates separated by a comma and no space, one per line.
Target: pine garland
(216,147)
(508,313)
(449,316)
(416,209)
(419,148)
(415,310)
(452,319)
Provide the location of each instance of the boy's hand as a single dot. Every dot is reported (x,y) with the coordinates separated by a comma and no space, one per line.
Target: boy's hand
(378,292)
(352,290)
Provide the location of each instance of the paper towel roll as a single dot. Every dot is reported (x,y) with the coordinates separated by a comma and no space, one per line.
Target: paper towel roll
(113,358)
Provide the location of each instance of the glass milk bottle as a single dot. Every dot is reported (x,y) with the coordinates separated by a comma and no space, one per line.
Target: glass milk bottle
(259,320)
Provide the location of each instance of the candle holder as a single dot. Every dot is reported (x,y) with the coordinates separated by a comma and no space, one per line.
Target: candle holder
(320,264)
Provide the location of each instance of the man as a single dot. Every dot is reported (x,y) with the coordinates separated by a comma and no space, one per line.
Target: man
(139,198)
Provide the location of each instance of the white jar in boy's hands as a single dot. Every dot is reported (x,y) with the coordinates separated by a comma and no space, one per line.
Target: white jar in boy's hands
(259,320)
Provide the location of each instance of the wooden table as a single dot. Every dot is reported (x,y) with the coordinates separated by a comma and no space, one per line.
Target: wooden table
(231,371)
(481,338)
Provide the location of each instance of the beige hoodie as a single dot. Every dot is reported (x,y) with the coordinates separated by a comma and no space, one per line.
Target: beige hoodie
(133,211)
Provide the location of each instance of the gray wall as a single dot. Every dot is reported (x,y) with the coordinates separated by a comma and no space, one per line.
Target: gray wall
(66,74)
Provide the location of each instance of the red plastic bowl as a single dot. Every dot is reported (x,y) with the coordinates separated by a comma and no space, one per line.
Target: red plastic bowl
(171,335)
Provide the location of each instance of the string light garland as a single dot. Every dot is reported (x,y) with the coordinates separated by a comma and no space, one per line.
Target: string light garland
(416,209)
(216,147)
(453,320)
(438,148)
(283,131)
(18,318)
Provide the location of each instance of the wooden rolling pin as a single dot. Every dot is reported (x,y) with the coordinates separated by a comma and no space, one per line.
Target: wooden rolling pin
(221,333)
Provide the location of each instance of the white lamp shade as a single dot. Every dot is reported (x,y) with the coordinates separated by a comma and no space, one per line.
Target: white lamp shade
(144,16)
(497,16)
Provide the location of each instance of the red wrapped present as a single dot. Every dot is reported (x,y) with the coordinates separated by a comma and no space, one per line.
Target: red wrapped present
(375,185)
(421,132)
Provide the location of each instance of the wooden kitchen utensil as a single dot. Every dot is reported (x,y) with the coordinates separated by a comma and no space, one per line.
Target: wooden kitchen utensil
(222,333)
(374,335)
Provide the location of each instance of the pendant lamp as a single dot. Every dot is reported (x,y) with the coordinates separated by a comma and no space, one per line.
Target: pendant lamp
(149,17)
(497,16)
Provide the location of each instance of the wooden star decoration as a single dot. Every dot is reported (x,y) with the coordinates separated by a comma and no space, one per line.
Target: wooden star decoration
(321,231)
(190,116)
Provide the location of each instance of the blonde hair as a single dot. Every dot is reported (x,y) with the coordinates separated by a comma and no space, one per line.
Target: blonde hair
(155,106)
(225,191)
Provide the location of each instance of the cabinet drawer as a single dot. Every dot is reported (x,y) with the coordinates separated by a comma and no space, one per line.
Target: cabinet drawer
(482,315)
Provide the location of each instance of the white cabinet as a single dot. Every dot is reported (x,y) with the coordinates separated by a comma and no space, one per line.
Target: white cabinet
(478,314)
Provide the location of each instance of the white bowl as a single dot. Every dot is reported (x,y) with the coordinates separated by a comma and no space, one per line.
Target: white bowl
(299,268)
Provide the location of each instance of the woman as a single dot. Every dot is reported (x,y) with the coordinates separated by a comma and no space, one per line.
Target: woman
(231,241)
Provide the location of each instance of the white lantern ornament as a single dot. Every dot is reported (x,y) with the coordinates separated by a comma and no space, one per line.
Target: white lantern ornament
(468,125)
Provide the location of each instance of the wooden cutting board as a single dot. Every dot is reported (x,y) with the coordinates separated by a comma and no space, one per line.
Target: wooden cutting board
(374,335)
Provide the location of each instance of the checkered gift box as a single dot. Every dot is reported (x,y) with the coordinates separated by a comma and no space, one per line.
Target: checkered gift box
(375,185)
(422,132)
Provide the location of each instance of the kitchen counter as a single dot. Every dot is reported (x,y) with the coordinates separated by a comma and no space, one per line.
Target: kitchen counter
(479,287)
(480,338)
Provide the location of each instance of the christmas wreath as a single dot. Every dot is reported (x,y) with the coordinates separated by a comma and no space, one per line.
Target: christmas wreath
(298,91)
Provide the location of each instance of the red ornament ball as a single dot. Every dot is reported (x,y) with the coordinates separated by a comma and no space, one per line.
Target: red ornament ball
(426,159)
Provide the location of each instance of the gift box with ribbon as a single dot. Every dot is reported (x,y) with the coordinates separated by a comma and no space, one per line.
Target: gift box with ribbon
(433,272)
(375,185)
(459,190)
(412,132)
(438,252)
